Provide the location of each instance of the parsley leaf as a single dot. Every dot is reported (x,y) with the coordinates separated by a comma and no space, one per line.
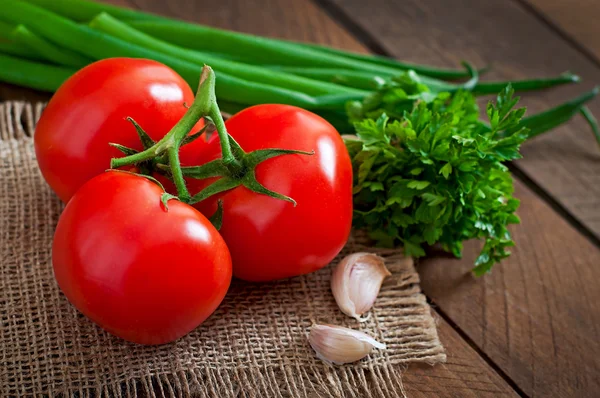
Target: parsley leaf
(428,171)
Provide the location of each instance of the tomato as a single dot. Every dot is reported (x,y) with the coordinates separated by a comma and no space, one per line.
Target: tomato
(270,238)
(141,272)
(89,111)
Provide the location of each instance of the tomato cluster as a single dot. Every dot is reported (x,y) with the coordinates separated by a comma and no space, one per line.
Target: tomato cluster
(151,270)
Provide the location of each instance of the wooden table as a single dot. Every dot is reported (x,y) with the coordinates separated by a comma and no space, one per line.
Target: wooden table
(532,327)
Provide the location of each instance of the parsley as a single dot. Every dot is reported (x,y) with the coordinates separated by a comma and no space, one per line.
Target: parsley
(427,170)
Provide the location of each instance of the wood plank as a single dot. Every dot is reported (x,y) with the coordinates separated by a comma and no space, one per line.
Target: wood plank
(537,315)
(466,374)
(501,33)
(577,19)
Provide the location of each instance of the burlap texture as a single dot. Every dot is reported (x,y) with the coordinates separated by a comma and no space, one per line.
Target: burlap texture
(255,345)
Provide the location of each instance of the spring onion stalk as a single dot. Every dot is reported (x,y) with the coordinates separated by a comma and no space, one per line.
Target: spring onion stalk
(5,30)
(261,49)
(82,10)
(232,107)
(544,121)
(31,74)
(368,80)
(589,117)
(347,77)
(316,54)
(12,48)
(527,84)
(49,51)
(440,73)
(112,26)
(98,45)
(230,57)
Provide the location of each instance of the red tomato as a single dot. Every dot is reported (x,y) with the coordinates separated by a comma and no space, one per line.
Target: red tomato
(143,273)
(89,111)
(270,238)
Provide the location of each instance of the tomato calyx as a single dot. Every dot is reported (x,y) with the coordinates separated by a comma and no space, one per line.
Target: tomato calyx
(242,175)
(217,218)
(146,167)
(235,168)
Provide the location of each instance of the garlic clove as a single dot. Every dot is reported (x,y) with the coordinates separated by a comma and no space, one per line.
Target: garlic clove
(356,281)
(340,345)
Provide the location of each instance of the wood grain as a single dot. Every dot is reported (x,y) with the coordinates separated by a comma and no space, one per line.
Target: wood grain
(501,33)
(464,375)
(537,316)
(578,19)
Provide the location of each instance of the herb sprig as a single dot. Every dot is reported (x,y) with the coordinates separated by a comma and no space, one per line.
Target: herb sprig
(434,173)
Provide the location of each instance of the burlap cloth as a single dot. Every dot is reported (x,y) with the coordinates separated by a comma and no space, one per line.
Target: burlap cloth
(254,345)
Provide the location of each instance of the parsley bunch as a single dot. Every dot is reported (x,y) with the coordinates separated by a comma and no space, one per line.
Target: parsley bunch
(427,170)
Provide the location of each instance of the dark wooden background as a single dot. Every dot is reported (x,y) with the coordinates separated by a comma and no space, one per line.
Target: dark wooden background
(532,327)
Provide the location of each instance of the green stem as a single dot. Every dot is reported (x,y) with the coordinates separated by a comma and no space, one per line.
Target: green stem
(112,26)
(31,74)
(12,48)
(5,30)
(347,77)
(97,45)
(263,50)
(200,107)
(49,51)
(84,10)
(547,120)
(209,107)
(182,191)
(205,104)
(526,85)
(219,40)
(425,70)
(369,80)
(589,117)
(215,115)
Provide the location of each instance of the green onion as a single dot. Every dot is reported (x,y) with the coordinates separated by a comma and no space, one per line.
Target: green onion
(107,24)
(440,73)
(8,45)
(47,50)
(5,30)
(98,45)
(34,75)
(368,80)
(346,77)
(81,10)
(261,49)
(527,84)
(12,48)
(544,121)
(589,117)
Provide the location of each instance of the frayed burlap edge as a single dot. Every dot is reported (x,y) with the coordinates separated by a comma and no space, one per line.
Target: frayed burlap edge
(401,318)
